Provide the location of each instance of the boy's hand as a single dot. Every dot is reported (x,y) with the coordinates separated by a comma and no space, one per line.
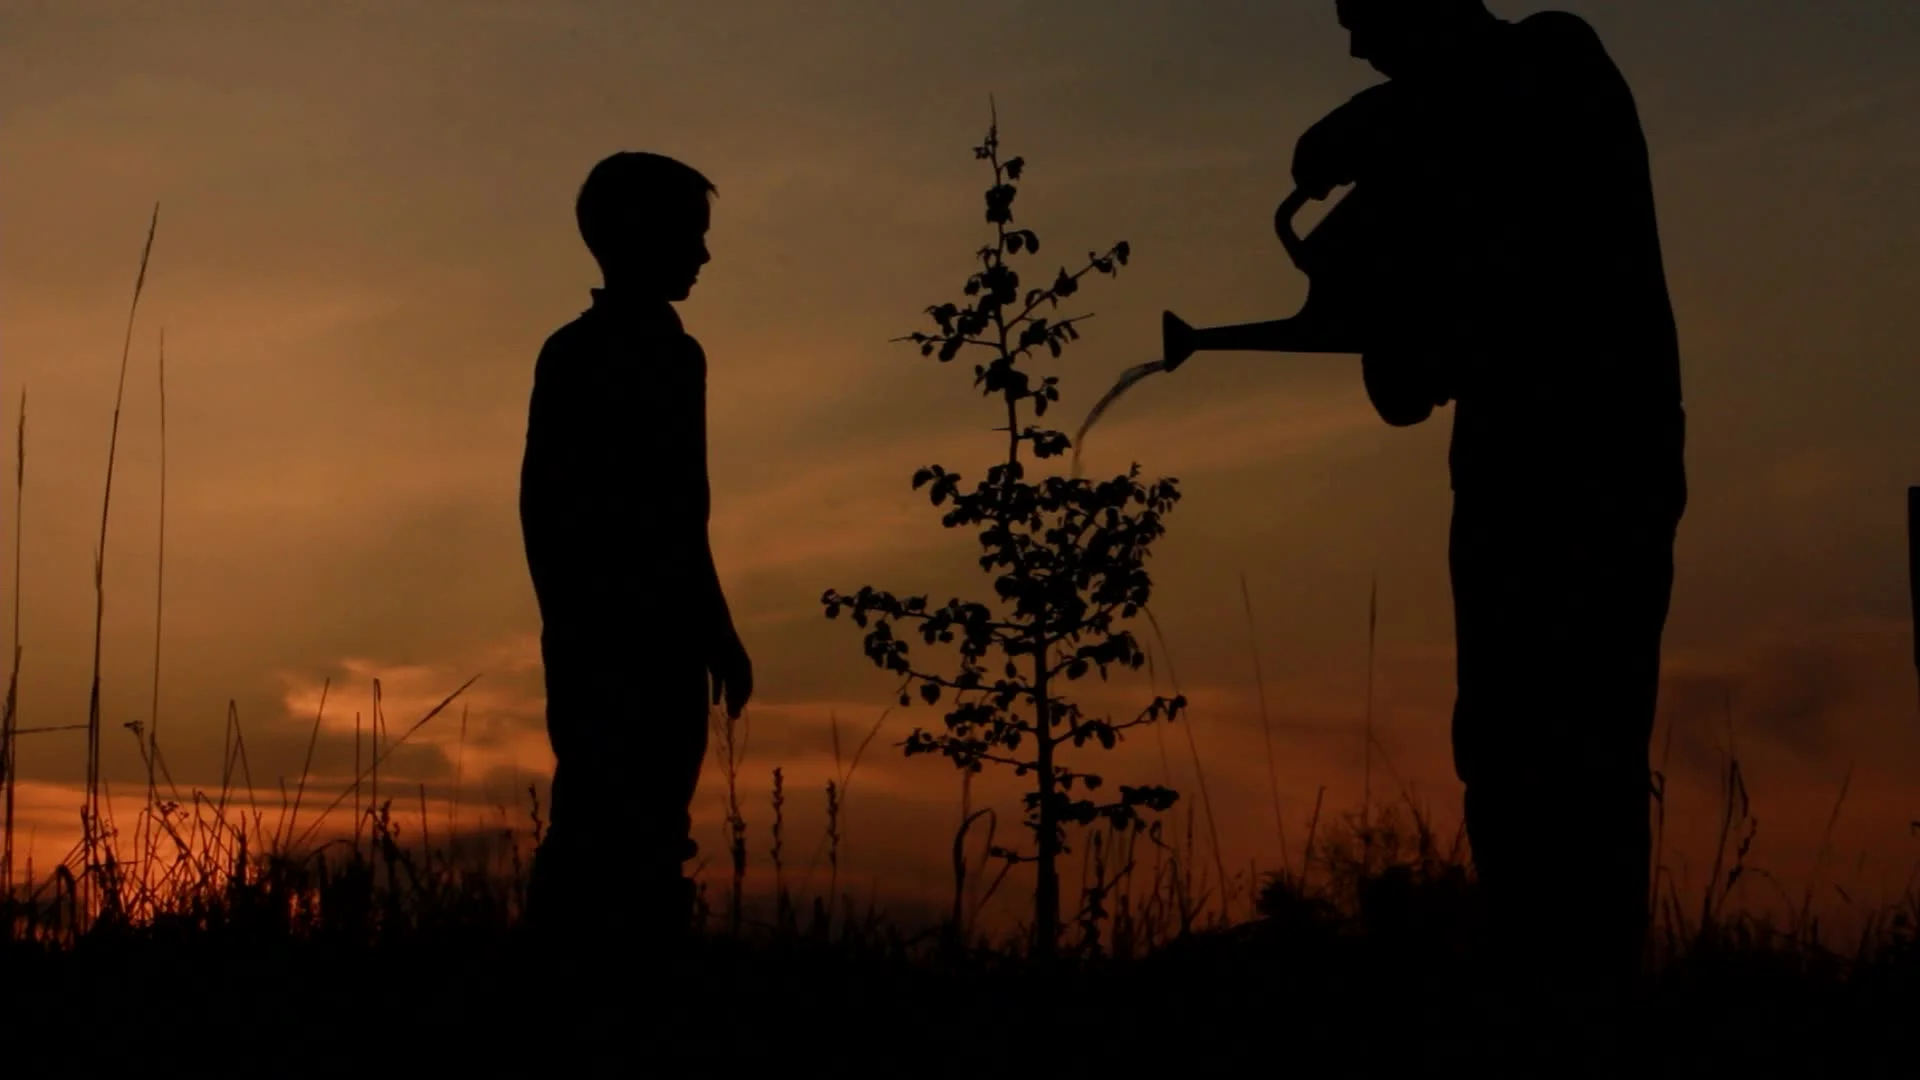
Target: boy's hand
(732,675)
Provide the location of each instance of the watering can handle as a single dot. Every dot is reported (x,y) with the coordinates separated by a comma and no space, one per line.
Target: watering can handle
(1290,208)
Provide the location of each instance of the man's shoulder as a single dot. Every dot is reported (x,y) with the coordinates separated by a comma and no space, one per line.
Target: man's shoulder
(1560,31)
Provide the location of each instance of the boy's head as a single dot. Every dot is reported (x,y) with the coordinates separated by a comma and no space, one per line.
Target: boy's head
(1401,37)
(644,218)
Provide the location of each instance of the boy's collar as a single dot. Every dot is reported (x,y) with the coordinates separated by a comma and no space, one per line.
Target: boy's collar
(607,301)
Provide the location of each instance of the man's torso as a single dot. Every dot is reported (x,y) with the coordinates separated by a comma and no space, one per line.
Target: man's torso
(1524,199)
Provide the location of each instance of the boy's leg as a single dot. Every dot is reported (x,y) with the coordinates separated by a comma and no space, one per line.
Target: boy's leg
(667,760)
(593,719)
(629,733)
(554,892)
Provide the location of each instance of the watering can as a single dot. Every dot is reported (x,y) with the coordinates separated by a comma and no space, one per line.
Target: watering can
(1334,258)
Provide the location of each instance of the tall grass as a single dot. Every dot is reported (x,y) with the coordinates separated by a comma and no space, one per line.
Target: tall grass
(92,824)
(1384,873)
(10,718)
(1266,722)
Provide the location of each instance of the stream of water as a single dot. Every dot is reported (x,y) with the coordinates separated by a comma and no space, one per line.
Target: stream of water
(1127,379)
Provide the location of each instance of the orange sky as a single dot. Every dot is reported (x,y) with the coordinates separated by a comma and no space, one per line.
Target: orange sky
(366,232)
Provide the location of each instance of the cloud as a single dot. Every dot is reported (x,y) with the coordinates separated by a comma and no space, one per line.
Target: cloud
(1813,697)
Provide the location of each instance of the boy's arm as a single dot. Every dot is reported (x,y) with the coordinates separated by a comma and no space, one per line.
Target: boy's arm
(569,517)
(714,617)
(717,616)
(727,661)
(727,656)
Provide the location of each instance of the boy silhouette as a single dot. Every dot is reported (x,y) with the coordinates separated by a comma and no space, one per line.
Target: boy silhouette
(1525,284)
(636,636)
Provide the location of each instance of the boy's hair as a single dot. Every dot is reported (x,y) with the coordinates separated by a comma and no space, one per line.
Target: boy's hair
(633,178)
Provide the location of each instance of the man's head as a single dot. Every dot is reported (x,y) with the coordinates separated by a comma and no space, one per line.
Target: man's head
(1404,37)
(644,218)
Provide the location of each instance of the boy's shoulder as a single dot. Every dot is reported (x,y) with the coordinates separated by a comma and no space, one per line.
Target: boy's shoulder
(599,340)
(563,349)
(574,337)
(578,347)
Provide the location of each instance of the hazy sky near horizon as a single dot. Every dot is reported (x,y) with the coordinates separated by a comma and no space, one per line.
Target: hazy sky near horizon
(366,232)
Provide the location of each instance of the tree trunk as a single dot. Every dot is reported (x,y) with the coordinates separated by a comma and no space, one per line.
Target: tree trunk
(1046,891)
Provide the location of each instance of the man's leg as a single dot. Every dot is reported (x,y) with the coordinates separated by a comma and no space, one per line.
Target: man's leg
(1558,622)
(1492,756)
(1619,630)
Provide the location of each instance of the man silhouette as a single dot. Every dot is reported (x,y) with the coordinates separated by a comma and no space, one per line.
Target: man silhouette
(614,503)
(1520,277)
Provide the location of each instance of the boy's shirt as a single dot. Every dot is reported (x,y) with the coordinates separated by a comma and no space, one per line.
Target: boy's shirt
(614,496)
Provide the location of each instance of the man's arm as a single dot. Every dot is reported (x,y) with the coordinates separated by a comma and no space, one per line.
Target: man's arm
(1348,143)
(1375,141)
(1404,386)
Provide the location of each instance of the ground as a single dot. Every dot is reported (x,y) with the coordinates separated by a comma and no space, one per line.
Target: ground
(1279,996)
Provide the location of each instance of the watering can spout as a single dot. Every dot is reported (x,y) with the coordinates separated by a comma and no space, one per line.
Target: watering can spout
(1308,332)
(1332,318)
(1328,323)
(1176,340)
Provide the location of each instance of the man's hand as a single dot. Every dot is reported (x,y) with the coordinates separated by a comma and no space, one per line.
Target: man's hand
(1333,152)
(732,674)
